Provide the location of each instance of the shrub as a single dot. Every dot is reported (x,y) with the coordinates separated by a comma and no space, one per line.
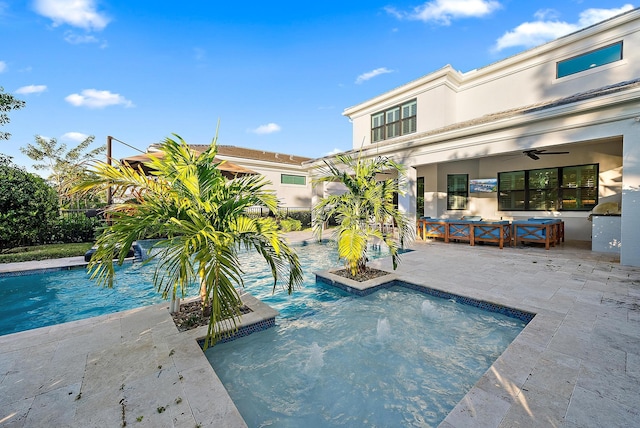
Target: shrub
(74,228)
(304,217)
(290,224)
(28,206)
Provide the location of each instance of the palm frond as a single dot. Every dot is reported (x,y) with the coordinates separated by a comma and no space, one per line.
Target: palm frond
(200,214)
(368,201)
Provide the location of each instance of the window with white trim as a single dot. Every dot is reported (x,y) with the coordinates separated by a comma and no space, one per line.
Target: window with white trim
(589,60)
(293,179)
(394,122)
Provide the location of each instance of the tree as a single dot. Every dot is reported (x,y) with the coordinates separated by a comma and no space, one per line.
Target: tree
(28,206)
(7,103)
(67,167)
(367,204)
(201,216)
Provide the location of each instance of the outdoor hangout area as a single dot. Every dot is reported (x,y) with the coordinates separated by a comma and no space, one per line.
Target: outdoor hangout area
(574,364)
(545,231)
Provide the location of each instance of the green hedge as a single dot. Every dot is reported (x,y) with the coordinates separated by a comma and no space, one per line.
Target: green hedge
(73,228)
(304,217)
(290,224)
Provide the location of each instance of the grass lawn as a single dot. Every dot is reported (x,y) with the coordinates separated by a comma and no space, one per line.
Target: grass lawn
(43,252)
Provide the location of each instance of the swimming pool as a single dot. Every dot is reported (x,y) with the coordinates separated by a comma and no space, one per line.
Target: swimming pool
(39,299)
(42,299)
(396,357)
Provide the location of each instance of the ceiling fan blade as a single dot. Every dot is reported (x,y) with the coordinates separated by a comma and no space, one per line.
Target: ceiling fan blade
(534,153)
(531,153)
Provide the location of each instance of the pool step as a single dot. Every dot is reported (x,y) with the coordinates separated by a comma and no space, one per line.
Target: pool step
(138,253)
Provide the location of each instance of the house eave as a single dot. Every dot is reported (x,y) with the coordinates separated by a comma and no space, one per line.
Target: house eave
(526,119)
(457,80)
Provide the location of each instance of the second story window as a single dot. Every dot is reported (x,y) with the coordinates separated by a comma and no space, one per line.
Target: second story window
(589,60)
(293,179)
(394,122)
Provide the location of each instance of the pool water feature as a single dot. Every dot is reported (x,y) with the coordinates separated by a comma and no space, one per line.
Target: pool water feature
(396,357)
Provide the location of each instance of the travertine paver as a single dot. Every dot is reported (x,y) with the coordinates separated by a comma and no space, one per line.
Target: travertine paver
(577,363)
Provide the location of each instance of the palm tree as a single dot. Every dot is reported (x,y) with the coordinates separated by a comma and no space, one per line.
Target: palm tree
(363,208)
(200,216)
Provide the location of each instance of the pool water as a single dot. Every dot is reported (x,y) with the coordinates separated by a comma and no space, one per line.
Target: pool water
(397,357)
(55,297)
(43,299)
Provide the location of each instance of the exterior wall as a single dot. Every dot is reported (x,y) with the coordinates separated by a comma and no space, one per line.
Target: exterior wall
(603,128)
(431,195)
(529,78)
(289,195)
(630,229)
(446,96)
(436,104)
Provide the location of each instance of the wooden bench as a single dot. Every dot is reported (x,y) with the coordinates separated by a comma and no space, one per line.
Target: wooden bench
(558,226)
(539,232)
(492,231)
(459,230)
(547,231)
(432,228)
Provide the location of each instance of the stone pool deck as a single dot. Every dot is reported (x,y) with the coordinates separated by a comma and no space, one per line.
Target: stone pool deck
(577,364)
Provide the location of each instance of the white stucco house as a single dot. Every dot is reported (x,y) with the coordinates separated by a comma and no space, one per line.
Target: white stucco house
(556,130)
(288,178)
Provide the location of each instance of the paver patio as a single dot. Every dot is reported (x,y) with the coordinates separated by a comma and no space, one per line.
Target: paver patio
(577,364)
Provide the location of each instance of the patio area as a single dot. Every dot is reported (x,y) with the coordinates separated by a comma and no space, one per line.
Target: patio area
(577,364)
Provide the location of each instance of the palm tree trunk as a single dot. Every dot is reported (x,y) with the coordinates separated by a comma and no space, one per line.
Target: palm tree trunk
(204,295)
(174,305)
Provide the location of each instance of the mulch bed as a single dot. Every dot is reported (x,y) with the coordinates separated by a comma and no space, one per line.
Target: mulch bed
(368,274)
(192,316)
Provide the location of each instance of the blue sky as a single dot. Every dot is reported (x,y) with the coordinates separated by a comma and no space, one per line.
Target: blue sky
(277,75)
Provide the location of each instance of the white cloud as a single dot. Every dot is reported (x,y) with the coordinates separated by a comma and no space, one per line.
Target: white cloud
(593,16)
(444,11)
(371,74)
(3,66)
(546,14)
(77,13)
(76,39)
(333,152)
(269,128)
(93,98)
(534,33)
(31,89)
(78,137)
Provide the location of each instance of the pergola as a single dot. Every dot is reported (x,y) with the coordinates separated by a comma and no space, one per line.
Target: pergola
(228,169)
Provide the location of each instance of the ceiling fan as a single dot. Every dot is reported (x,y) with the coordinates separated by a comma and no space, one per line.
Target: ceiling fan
(534,153)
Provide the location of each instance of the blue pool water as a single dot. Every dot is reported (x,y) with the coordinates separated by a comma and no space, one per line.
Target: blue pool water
(394,358)
(43,299)
(397,357)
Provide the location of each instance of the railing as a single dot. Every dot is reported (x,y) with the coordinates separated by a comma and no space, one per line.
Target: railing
(283,212)
(85,212)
